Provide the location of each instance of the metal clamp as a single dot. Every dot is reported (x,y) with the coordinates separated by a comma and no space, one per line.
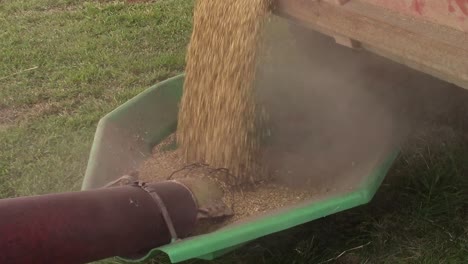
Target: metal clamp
(165,213)
(132,181)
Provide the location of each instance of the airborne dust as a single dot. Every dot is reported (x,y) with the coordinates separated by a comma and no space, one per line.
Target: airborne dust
(330,115)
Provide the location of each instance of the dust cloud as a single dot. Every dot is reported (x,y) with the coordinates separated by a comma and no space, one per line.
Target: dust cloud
(334,113)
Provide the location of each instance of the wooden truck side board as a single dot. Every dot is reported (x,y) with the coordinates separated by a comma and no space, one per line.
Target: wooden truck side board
(451,13)
(430,42)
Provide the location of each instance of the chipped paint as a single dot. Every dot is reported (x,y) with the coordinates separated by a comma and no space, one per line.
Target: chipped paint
(418,6)
(463,5)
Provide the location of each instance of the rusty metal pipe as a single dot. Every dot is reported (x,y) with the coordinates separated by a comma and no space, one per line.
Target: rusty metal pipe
(80,227)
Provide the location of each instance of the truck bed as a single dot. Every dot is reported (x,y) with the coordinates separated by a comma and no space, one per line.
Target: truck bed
(427,35)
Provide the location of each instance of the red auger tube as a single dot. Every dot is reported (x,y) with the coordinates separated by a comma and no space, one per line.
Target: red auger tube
(85,226)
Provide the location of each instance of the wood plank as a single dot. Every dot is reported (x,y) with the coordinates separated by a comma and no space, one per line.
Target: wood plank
(424,46)
(451,13)
(434,31)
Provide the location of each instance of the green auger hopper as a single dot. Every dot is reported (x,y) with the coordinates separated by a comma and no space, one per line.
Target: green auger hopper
(125,138)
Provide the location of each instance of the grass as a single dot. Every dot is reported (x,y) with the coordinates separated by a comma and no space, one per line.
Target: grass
(90,57)
(64,64)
